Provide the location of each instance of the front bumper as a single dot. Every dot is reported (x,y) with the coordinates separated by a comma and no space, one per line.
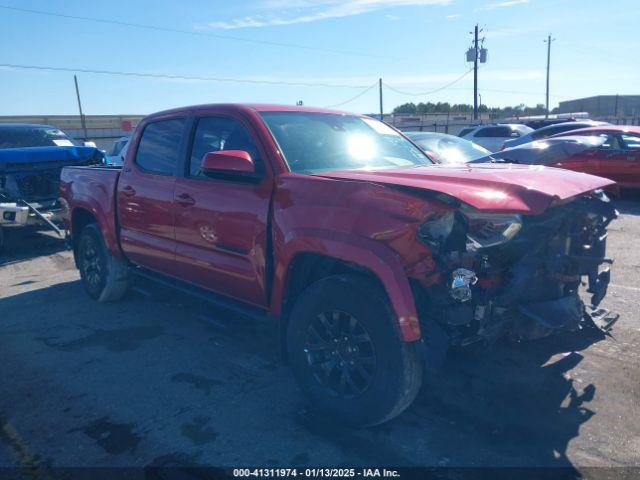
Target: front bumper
(13,215)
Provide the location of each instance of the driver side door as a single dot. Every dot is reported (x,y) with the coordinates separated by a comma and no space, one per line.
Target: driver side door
(221,218)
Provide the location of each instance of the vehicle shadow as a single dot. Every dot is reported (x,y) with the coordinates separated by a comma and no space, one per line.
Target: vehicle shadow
(515,404)
(510,405)
(25,244)
(628,207)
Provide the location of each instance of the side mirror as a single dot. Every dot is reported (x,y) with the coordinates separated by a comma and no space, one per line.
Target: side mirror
(236,161)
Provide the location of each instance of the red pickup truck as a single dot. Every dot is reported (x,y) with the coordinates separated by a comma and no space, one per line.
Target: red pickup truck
(372,259)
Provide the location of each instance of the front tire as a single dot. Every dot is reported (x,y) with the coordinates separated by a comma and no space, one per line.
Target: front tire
(104,277)
(346,352)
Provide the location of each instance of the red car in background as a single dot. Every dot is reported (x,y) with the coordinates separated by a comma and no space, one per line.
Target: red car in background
(617,158)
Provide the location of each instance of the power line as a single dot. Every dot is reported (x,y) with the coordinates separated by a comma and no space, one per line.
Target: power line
(518,92)
(182,77)
(353,98)
(421,94)
(188,32)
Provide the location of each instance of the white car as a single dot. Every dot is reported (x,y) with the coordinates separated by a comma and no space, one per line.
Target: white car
(493,136)
(447,148)
(118,151)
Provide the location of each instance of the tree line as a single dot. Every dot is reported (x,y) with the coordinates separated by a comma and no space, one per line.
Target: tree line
(446,107)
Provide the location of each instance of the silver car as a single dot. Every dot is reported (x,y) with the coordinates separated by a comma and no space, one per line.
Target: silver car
(447,148)
(118,151)
(493,136)
(550,130)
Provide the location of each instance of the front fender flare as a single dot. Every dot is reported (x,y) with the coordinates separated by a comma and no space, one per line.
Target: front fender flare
(369,254)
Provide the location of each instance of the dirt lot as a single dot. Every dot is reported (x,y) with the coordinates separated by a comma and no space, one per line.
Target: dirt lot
(163,379)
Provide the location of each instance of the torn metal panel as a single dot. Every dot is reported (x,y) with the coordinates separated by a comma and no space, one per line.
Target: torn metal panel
(522,281)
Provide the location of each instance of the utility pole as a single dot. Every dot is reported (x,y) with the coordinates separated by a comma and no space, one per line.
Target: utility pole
(475,73)
(548,42)
(82,120)
(476,54)
(380,90)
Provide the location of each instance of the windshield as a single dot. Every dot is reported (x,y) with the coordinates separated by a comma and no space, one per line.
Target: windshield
(320,142)
(449,149)
(18,137)
(118,145)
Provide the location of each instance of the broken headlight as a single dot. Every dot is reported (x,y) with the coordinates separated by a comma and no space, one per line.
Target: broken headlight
(435,231)
(490,229)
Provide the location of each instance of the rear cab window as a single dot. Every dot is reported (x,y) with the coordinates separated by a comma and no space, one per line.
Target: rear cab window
(159,147)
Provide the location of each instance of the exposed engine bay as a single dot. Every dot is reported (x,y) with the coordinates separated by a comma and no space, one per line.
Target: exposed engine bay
(515,275)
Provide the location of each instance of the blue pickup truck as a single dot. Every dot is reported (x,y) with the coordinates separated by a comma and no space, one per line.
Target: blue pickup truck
(31,158)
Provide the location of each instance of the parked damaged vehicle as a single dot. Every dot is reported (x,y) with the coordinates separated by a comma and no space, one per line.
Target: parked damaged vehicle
(371,260)
(31,158)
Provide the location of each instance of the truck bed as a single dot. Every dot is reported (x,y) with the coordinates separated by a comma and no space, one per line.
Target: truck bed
(92,190)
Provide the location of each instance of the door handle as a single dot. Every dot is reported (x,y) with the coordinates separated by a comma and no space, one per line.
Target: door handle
(186,200)
(129,191)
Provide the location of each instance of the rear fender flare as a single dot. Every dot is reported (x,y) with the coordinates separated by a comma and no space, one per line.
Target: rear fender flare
(105,221)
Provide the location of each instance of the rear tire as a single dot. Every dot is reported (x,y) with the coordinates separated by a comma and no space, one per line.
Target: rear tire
(104,277)
(346,353)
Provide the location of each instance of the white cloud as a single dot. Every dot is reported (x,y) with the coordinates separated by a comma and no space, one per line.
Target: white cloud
(505,4)
(393,18)
(452,17)
(307,11)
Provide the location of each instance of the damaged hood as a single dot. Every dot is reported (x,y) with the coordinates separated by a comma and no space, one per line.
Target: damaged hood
(489,187)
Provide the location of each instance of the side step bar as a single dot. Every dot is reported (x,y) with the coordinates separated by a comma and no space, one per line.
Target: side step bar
(220,301)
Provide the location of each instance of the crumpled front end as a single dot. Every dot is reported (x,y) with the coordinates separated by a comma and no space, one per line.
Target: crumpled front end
(30,183)
(512,275)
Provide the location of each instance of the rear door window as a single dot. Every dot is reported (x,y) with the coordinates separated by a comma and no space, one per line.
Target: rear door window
(159,146)
(631,142)
(494,132)
(611,141)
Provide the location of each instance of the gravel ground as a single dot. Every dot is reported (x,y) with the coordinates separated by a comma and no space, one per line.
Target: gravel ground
(163,379)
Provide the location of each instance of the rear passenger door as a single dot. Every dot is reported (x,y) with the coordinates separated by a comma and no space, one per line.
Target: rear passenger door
(623,165)
(610,157)
(145,195)
(221,219)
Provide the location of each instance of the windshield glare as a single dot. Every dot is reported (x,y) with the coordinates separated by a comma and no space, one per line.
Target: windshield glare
(450,149)
(18,137)
(319,142)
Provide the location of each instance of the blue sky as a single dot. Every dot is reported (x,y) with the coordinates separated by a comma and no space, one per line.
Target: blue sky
(414,45)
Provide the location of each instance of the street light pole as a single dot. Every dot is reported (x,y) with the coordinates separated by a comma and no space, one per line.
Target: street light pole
(82,120)
(380,92)
(548,42)
(475,73)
